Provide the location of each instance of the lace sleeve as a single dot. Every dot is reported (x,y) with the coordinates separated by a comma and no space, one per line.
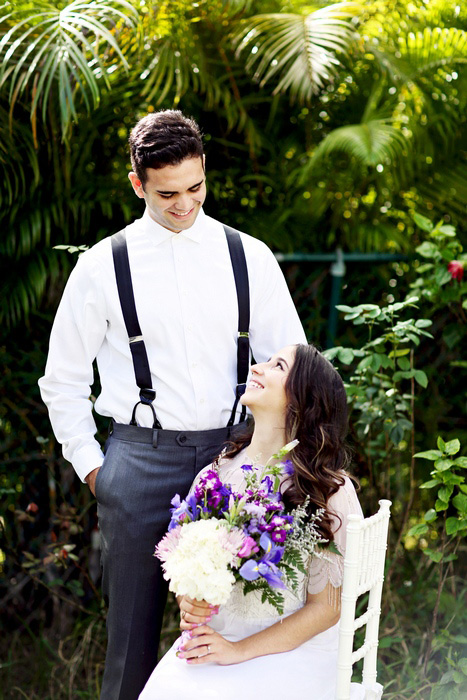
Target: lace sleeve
(329,568)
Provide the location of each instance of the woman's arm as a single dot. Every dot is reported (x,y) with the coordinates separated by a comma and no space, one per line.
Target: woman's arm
(316,616)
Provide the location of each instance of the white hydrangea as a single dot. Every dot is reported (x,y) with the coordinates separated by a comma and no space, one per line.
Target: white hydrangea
(199,565)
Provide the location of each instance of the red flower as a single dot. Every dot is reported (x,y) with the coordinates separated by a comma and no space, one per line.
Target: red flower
(456,269)
(32,508)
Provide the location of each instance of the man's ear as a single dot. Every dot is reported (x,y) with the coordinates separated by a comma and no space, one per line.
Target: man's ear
(136,184)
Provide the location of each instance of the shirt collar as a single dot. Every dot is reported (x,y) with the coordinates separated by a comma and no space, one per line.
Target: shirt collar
(158,234)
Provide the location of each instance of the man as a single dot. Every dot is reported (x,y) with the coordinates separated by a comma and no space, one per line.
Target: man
(183,358)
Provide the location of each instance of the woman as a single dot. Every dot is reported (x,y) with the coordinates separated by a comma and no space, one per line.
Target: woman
(244,649)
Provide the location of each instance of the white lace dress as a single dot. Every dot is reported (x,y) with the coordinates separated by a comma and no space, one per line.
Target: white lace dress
(308,671)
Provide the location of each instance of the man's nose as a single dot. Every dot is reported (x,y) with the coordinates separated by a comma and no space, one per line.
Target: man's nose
(184,202)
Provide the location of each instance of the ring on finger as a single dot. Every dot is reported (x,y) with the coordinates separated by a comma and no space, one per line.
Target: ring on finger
(183,614)
(209,648)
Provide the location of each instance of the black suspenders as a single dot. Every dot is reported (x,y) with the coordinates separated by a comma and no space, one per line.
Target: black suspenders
(240,270)
(138,350)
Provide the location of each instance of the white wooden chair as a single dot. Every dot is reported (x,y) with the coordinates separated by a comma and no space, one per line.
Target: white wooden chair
(363,572)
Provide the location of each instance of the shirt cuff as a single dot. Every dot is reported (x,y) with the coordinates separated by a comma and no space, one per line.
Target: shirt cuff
(86,459)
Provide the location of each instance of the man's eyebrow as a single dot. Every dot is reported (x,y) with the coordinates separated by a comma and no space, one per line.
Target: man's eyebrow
(176,192)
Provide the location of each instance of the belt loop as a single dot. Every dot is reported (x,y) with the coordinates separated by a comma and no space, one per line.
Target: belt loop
(155,435)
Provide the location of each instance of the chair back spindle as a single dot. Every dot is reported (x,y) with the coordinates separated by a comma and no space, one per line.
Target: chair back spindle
(363,572)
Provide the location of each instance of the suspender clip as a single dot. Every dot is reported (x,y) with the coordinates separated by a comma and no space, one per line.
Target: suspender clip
(240,390)
(147,396)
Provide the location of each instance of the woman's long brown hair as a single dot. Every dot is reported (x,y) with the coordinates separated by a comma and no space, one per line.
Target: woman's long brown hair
(317,417)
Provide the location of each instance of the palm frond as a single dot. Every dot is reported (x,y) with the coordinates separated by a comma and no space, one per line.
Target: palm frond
(65,53)
(370,143)
(19,166)
(20,294)
(434,47)
(300,52)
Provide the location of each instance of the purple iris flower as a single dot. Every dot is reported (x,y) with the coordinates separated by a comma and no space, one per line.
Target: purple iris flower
(251,570)
(272,554)
(247,467)
(288,467)
(269,484)
(181,508)
(266,566)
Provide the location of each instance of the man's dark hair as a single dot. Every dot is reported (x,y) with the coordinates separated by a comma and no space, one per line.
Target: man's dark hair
(163,138)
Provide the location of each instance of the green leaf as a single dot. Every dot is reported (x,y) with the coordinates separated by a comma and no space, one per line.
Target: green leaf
(441,505)
(443,465)
(433,555)
(345,355)
(453,447)
(444,494)
(421,378)
(430,484)
(396,434)
(403,363)
(441,444)
(461,462)
(420,529)
(399,353)
(442,276)
(422,222)
(452,526)
(366,362)
(423,323)
(429,454)
(430,515)
(460,501)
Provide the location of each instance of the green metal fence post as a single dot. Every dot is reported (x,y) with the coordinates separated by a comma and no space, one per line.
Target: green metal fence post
(337,271)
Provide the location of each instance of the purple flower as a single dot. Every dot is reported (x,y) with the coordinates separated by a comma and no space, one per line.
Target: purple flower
(279,536)
(183,510)
(272,553)
(271,574)
(288,467)
(247,467)
(251,570)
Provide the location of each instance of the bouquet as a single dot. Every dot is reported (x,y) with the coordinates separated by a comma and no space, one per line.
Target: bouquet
(217,537)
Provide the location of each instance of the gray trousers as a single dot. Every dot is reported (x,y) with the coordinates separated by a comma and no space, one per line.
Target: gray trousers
(143,469)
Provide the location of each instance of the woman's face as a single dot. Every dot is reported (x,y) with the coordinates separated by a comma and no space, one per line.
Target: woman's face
(266,388)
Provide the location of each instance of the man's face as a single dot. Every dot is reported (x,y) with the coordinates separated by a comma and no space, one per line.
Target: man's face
(173,194)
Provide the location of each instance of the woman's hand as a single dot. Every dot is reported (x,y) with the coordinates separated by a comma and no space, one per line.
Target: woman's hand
(194,613)
(205,645)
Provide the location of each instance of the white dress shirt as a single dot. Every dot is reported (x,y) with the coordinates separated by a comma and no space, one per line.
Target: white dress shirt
(187,308)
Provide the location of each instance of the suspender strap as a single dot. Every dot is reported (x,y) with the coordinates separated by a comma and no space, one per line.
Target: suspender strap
(240,270)
(137,347)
